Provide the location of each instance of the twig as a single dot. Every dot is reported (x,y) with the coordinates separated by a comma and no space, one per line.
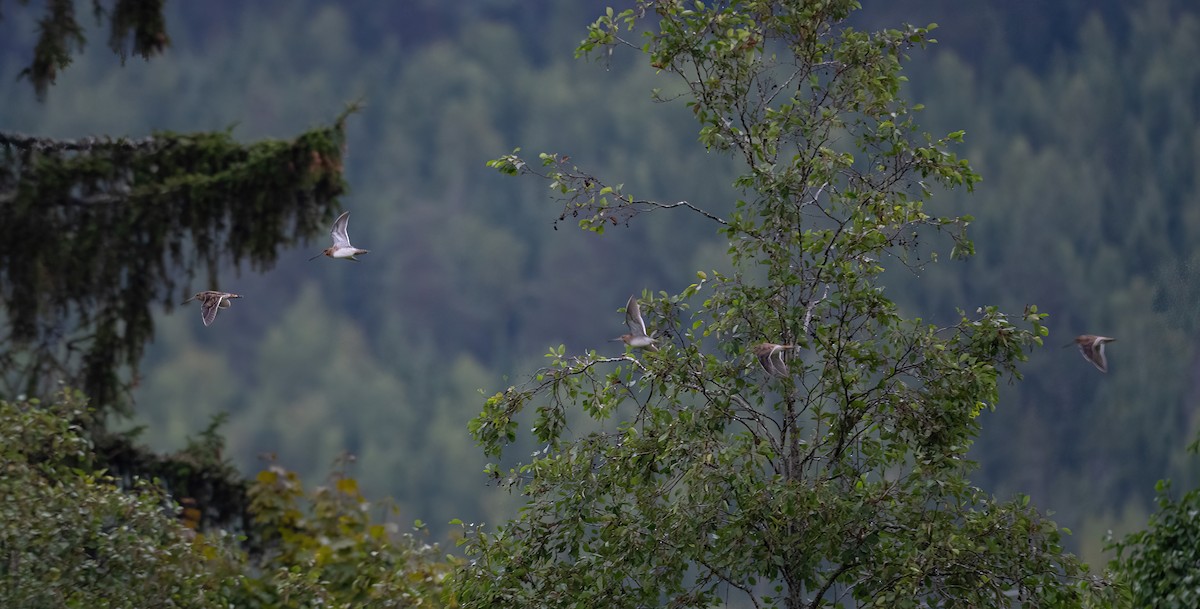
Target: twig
(30,142)
(809,309)
(685,204)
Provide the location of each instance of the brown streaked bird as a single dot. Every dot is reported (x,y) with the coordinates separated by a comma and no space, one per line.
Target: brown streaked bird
(1092,348)
(210,301)
(341,247)
(637,337)
(770,357)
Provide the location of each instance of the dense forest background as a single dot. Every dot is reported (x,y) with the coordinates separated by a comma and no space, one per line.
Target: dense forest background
(1081,117)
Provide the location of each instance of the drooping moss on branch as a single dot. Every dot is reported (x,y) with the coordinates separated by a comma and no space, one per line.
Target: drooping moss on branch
(60,35)
(96,231)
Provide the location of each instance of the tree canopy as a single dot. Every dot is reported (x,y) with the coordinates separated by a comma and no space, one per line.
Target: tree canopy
(1077,112)
(704,472)
(74,535)
(98,231)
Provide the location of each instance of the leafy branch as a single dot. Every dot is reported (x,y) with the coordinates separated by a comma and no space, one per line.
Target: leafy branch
(583,193)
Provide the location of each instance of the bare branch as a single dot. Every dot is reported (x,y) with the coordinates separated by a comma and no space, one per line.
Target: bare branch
(808,312)
(687,205)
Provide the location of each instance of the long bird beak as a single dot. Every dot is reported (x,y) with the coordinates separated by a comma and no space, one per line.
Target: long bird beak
(317,256)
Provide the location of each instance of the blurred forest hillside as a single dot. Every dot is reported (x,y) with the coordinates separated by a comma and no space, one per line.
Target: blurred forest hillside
(1080,115)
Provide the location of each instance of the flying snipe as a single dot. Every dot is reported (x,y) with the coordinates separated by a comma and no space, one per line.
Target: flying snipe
(637,337)
(770,357)
(1092,348)
(341,247)
(210,301)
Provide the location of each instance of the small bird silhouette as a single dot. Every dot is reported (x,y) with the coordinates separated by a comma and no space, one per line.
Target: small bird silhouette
(1092,348)
(770,357)
(210,301)
(637,337)
(341,247)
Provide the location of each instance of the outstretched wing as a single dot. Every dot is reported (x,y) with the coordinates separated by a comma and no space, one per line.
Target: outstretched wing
(1101,359)
(773,358)
(633,318)
(1093,351)
(777,365)
(208,310)
(764,358)
(340,237)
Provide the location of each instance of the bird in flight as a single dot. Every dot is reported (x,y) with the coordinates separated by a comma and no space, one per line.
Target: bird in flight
(210,301)
(770,357)
(1092,348)
(637,337)
(341,247)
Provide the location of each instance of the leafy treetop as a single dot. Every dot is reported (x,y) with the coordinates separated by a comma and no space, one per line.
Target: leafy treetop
(696,474)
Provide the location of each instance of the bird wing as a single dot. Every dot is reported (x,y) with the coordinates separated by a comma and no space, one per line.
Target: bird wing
(764,360)
(208,310)
(778,365)
(1101,360)
(633,318)
(770,357)
(1093,351)
(340,236)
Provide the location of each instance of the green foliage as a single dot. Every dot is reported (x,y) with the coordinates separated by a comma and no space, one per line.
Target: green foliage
(73,536)
(69,537)
(199,475)
(331,548)
(96,231)
(1088,153)
(1157,566)
(701,478)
